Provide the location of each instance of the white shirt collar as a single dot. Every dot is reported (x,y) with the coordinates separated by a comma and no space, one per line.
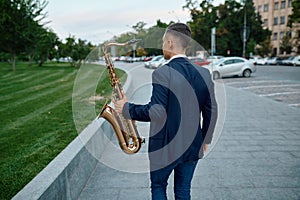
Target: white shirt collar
(176,56)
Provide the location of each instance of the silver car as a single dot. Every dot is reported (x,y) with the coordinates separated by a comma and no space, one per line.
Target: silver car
(232,66)
(156,62)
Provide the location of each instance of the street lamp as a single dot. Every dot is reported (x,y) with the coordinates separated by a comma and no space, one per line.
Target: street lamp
(245,33)
(134,45)
(213,41)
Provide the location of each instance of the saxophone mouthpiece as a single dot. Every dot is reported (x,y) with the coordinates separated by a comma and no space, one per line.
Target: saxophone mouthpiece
(133,41)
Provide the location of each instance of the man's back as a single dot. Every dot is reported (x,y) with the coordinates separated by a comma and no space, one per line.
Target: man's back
(184,94)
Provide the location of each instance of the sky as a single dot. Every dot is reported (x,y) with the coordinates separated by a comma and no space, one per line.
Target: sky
(99,20)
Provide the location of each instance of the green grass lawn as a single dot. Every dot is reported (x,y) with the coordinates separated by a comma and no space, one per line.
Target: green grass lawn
(36,116)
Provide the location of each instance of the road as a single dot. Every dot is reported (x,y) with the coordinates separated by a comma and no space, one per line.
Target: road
(280,83)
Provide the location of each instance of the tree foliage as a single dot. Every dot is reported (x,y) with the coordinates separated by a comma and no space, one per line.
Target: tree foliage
(19,21)
(294,18)
(228,19)
(286,43)
(294,24)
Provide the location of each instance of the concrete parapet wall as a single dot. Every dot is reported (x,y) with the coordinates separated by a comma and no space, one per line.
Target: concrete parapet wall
(66,175)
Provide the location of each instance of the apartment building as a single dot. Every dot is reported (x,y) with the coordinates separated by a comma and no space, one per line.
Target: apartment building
(275,16)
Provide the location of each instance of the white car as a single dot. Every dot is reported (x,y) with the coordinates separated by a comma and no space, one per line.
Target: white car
(213,59)
(295,61)
(288,60)
(155,62)
(261,61)
(232,66)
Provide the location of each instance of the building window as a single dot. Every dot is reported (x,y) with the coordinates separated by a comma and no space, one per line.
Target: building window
(266,22)
(259,9)
(266,8)
(282,20)
(281,35)
(275,20)
(283,5)
(290,3)
(276,5)
(275,36)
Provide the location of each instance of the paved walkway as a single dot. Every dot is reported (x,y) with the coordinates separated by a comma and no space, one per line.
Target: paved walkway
(256,157)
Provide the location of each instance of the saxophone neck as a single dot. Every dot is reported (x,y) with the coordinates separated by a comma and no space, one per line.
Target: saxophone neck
(108,45)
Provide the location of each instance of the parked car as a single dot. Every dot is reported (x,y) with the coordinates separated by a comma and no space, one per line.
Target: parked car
(254,59)
(232,66)
(274,61)
(199,61)
(155,62)
(279,61)
(288,60)
(295,61)
(261,61)
(213,59)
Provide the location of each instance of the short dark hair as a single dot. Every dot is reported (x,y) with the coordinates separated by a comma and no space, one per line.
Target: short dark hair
(182,31)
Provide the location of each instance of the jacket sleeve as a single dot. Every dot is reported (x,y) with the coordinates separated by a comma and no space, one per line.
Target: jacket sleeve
(157,106)
(209,114)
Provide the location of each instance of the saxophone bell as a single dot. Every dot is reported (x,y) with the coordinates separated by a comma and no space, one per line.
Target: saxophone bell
(129,143)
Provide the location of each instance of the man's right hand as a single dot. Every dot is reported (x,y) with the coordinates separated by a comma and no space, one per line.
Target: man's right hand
(205,147)
(120,104)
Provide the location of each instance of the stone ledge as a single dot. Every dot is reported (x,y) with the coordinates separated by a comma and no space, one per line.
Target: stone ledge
(66,175)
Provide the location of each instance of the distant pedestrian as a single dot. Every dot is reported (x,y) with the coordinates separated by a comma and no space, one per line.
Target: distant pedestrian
(182,93)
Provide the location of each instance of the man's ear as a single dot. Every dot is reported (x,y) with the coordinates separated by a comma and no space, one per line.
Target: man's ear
(170,44)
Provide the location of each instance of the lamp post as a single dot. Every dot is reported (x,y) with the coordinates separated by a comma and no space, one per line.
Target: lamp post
(134,45)
(213,41)
(245,31)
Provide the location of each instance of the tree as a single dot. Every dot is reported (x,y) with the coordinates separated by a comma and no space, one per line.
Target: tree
(228,19)
(294,18)
(139,27)
(74,51)
(286,43)
(44,48)
(80,52)
(203,20)
(153,38)
(294,24)
(19,20)
(264,48)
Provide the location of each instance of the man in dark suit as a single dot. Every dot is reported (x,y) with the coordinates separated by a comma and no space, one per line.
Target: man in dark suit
(181,94)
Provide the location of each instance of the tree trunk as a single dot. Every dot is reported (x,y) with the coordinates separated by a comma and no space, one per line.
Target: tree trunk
(13,61)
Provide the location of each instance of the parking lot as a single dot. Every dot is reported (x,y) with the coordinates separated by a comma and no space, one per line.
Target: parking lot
(280,83)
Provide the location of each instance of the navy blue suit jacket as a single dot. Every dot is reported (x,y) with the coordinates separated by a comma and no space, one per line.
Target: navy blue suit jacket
(182,93)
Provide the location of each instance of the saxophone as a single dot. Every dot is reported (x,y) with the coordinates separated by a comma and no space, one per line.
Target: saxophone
(125,129)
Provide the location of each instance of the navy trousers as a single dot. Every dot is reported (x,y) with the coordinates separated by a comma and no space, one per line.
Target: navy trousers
(183,174)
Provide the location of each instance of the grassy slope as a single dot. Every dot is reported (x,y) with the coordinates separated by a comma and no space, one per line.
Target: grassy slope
(36,119)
